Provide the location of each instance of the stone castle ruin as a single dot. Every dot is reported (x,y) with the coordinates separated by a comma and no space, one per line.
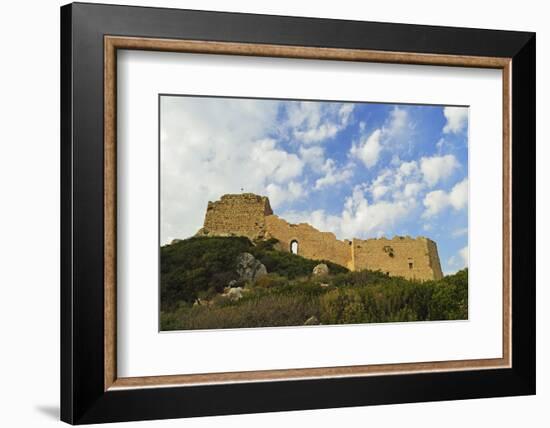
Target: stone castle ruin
(251,215)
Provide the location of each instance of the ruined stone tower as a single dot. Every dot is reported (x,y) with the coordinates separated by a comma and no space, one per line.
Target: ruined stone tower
(237,215)
(251,215)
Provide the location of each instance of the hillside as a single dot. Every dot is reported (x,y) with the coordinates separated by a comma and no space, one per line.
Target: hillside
(201,268)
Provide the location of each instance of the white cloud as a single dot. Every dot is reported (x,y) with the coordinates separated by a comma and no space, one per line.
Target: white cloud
(438,200)
(463,252)
(345,112)
(459,260)
(274,162)
(362,219)
(314,156)
(437,168)
(402,182)
(398,122)
(214,146)
(411,190)
(374,208)
(278,194)
(333,175)
(313,122)
(458,198)
(379,190)
(368,149)
(435,202)
(313,135)
(210,147)
(359,218)
(408,168)
(457,119)
(460,232)
(382,184)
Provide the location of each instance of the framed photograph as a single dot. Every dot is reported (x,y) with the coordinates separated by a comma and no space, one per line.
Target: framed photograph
(266,213)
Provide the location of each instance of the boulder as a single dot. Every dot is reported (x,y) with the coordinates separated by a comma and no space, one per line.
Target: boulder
(312,321)
(260,271)
(234,293)
(248,268)
(320,270)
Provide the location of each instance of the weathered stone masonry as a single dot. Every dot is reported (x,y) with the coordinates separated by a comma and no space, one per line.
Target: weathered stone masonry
(251,215)
(414,258)
(312,243)
(237,215)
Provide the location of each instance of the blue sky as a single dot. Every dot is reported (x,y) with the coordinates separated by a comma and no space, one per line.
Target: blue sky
(356,169)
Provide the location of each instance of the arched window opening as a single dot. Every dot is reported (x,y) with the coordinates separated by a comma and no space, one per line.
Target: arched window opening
(294,247)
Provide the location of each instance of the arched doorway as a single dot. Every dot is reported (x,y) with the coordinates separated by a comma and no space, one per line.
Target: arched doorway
(294,246)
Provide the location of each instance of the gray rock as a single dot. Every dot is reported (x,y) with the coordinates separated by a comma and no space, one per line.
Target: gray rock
(248,268)
(320,270)
(234,293)
(260,271)
(312,321)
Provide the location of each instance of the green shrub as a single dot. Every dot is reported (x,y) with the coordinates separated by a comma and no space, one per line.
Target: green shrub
(197,264)
(363,277)
(450,297)
(193,266)
(395,299)
(291,265)
(261,311)
(270,280)
(289,294)
(342,306)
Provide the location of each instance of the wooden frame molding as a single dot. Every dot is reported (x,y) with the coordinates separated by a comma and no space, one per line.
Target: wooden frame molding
(113,43)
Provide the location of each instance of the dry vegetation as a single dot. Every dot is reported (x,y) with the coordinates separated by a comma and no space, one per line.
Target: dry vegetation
(289,295)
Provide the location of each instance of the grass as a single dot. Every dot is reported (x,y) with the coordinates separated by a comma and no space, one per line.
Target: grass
(200,267)
(289,295)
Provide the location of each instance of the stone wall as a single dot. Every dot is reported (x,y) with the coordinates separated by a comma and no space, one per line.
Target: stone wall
(412,258)
(250,215)
(312,243)
(434,259)
(237,215)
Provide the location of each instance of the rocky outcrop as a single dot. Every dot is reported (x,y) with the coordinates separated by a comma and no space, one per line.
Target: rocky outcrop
(249,269)
(234,293)
(312,321)
(320,270)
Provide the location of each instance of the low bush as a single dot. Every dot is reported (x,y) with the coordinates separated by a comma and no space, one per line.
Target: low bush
(196,265)
(270,280)
(397,299)
(192,267)
(261,311)
(289,294)
(293,302)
